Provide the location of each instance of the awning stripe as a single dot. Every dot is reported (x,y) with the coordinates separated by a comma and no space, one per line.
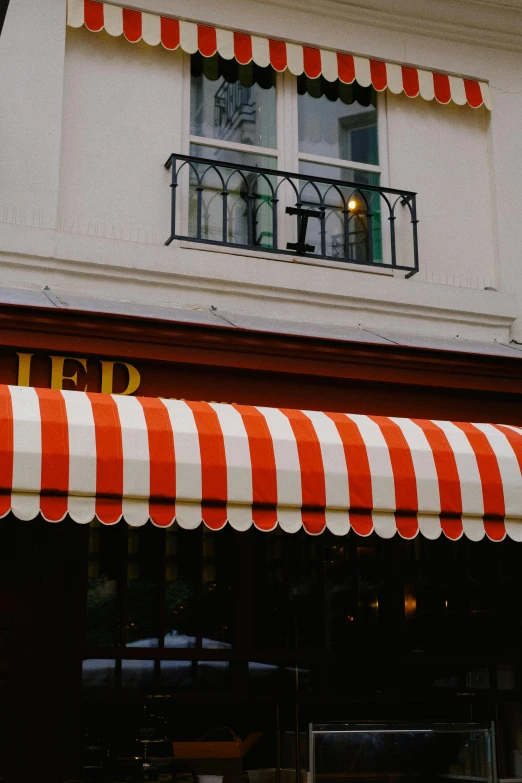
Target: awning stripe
(312,471)
(6,450)
(162,508)
(214,485)
(263,467)
(110,456)
(492,486)
(170,33)
(55,454)
(193,37)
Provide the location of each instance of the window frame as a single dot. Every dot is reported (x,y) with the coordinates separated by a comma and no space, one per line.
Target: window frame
(287,157)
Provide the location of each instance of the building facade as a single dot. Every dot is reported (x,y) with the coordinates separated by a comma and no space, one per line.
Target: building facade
(272,209)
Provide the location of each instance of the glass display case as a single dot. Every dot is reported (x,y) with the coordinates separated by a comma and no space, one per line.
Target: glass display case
(391,753)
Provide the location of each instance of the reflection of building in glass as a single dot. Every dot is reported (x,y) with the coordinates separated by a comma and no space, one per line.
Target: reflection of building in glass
(234,111)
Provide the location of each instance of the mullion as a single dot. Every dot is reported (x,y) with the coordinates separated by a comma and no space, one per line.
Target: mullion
(199,589)
(124,582)
(162,591)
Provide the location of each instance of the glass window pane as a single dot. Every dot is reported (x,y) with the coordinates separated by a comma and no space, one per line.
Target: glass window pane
(218,588)
(288,605)
(337,120)
(98,673)
(104,572)
(226,218)
(181,560)
(287,677)
(137,674)
(233,102)
(352,222)
(213,676)
(145,548)
(176,675)
(433,754)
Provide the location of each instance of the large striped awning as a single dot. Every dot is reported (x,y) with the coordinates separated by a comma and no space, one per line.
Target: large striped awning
(109,456)
(192,37)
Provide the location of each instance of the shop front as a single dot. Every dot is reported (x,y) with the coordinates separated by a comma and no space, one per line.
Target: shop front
(250,588)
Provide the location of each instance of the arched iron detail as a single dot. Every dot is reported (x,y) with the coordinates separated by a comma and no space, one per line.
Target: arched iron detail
(344,220)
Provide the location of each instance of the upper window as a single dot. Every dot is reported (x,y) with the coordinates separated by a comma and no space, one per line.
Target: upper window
(257,120)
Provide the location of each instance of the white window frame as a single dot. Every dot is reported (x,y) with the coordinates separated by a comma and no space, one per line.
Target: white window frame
(286,154)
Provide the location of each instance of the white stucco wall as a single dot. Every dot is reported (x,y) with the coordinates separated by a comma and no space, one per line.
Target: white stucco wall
(113,112)
(31,92)
(441,153)
(122,118)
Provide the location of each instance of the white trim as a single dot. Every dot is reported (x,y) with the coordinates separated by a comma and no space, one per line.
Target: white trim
(185,109)
(182,216)
(205,141)
(227,250)
(384,162)
(339,162)
(151,274)
(287,144)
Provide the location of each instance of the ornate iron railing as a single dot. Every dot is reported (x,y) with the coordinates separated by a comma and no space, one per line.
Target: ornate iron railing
(295,214)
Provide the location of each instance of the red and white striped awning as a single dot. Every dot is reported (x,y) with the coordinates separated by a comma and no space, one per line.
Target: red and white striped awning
(109,456)
(244,47)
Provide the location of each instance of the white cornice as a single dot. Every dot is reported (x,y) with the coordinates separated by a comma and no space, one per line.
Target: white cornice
(495,24)
(174,276)
(492,23)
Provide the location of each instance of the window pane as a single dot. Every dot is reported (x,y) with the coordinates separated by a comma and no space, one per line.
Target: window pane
(145,549)
(288,609)
(137,674)
(337,120)
(98,673)
(103,599)
(176,675)
(226,219)
(218,588)
(352,222)
(182,556)
(232,102)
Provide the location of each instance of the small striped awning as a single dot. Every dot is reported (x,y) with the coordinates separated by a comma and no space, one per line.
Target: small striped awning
(192,37)
(139,458)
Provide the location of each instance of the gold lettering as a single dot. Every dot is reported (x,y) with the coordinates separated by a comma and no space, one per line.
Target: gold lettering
(107,377)
(24,368)
(57,376)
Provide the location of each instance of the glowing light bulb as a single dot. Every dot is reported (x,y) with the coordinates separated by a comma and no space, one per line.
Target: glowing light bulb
(352,204)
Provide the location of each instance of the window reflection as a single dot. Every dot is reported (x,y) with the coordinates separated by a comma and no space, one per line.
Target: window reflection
(144,560)
(429,754)
(176,675)
(137,674)
(232,102)
(244,190)
(218,588)
(99,673)
(337,120)
(181,557)
(352,222)
(104,572)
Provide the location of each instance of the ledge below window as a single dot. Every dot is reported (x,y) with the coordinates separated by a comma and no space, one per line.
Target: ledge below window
(308,260)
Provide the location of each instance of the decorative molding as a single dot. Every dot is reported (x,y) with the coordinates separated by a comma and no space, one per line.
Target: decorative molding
(149,339)
(495,25)
(202,286)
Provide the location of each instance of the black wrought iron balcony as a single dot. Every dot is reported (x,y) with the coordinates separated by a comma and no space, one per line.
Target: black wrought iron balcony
(221,203)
